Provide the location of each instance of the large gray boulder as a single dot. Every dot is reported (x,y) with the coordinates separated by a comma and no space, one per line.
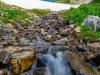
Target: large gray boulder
(93,22)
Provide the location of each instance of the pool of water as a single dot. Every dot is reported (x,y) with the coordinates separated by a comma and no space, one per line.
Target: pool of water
(48,0)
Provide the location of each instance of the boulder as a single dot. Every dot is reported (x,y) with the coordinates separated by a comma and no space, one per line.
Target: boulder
(5,57)
(39,71)
(3,72)
(93,22)
(22,60)
(94,47)
(61,41)
(78,64)
(23,41)
(96,59)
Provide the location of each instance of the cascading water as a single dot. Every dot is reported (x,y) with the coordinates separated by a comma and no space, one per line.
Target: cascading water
(57,65)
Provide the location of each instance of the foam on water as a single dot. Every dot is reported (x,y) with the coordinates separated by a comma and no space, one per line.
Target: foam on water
(57,65)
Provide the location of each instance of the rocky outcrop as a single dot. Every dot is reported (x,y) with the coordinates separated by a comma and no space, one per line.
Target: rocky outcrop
(40,71)
(78,64)
(93,50)
(22,60)
(5,57)
(51,28)
(93,22)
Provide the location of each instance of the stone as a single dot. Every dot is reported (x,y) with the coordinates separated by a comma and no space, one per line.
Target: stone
(23,41)
(78,64)
(93,22)
(77,29)
(37,71)
(61,41)
(5,57)
(22,60)
(3,72)
(72,26)
(96,60)
(94,47)
(49,37)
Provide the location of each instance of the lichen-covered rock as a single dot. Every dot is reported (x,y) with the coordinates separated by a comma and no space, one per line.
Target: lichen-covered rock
(22,60)
(93,22)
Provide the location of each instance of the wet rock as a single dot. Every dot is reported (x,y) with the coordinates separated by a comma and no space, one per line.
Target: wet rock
(57,48)
(61,41)
(23,41)
(5,57)
(11,49)
(37,71)
(28,73)
(22,60)
(96,60)
(93,22)
(40,71)
(3,72)
(94,48)
(78,64)
(72,26)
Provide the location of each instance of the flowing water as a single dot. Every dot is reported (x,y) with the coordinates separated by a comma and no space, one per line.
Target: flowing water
(57,65)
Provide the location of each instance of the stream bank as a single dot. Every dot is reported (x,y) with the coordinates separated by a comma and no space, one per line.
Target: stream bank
(24,45)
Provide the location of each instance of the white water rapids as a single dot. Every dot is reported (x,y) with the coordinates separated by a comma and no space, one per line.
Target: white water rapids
(57,65)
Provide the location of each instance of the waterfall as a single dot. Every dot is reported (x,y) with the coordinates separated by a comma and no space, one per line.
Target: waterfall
(57,65)
(39,40)
(49,50)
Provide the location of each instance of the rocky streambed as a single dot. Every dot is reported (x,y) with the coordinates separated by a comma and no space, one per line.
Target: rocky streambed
(37,49)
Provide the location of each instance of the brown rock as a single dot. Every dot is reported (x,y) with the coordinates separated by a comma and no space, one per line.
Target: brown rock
(22,60)
(78,64)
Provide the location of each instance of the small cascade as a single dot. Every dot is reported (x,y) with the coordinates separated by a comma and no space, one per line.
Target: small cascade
(40,43)
(57,65)
(39,40)
(49,50)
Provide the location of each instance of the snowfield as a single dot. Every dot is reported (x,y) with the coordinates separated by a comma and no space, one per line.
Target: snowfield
(39,4)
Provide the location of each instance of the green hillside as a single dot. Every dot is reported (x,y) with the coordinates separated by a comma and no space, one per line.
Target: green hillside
(13,14)
(77,16)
